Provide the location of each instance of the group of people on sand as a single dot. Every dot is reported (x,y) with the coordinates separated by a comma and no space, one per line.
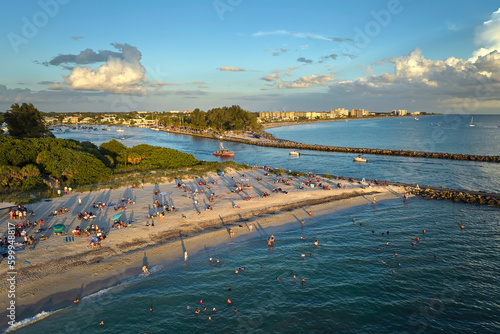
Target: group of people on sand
(20,212)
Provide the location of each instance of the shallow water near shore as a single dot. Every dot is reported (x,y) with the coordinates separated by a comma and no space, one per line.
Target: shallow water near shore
(349,287)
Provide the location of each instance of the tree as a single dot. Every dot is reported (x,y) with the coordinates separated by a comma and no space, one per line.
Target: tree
(26,121)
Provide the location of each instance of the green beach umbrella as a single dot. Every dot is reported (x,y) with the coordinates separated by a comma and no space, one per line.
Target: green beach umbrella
(58,228)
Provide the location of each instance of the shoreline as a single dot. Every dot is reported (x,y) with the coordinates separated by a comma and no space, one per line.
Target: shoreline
(77,273)
(285,123)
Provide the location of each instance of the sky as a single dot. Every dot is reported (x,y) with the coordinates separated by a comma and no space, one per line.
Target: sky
(281,55)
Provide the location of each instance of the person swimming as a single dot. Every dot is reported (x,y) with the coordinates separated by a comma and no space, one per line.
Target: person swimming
(101,323)
(316,243)
(196,311)
(228,288)
(229,301)
(294,278)
(151,308)
(302,238)
(303,255)
(76,300)
(303,281)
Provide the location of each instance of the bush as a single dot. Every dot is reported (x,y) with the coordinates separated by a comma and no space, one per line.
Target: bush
(33,182)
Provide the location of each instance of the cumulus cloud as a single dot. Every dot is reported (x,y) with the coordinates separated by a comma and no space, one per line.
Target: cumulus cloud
(122,75)
(443,81)
(231,68)
(488,36)
(304,60)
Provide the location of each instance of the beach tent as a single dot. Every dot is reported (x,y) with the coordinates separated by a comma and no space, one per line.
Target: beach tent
(220,172)
(58,228)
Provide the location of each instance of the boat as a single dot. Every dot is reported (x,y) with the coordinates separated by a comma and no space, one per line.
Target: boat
(120,130)
(359,158)
(223,152)
(294,154)
(472,122)
(416,118)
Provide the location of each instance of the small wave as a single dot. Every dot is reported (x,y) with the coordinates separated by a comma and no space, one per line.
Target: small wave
(29,321)
(98,293)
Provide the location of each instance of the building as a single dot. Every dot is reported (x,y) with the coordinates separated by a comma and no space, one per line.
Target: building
(400,112)
(339,113)
(359,113)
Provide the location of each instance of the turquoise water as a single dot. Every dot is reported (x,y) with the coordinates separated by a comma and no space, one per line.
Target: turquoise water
(348,289)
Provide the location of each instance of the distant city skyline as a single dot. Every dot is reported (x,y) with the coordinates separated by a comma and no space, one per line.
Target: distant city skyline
(90,56)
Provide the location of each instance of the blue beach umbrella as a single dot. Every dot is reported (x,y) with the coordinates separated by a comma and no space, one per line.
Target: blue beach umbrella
(118,215)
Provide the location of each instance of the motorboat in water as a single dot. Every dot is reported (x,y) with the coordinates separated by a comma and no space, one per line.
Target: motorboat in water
(359,158)
(294,154)
(120,130)
(223,152)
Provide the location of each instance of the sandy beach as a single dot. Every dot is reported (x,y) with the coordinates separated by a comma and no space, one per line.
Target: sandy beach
(56,271)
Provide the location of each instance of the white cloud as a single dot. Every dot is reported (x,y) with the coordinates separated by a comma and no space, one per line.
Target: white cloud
(231,68)
(305,35)
(488,36)
(119,75)
(305,82)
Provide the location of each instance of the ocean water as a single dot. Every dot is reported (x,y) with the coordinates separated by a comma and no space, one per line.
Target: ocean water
(440,133)
(363,133)
(446,283)
(350,286)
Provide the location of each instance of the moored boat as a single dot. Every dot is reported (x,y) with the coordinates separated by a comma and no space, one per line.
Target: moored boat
(359,158)
(223,152)
(294,154)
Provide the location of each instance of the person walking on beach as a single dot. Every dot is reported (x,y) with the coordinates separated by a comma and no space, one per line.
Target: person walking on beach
(185,256)
(79,200)
(250,228)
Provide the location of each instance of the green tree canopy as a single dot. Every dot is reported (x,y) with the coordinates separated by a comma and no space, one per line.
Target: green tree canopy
(26,121)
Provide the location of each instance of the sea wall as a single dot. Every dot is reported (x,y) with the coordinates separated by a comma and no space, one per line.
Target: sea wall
(455,195)
(288,144)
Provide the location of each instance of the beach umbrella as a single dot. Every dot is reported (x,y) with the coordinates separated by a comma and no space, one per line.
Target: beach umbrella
(58,228)
(118,215)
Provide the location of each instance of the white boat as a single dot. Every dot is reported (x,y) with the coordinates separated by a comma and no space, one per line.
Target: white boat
(120,130)
(416,118)
(360,159)
(294,154)
(472,122)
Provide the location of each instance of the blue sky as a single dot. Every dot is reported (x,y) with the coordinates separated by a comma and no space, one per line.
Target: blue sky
(433,56)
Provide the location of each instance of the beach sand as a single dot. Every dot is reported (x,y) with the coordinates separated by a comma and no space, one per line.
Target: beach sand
(60,271)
